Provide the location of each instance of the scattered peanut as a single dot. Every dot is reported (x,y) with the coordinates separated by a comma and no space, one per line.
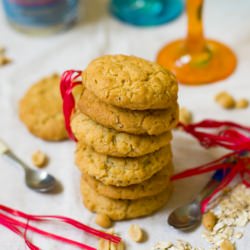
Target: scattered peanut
(209,220)
(227,245)
(107,245)
(103,244)
(225,100)
(185,116)
(103,220)
(39,159)
(242,103)
(136,233)
(119,246)
(4,60)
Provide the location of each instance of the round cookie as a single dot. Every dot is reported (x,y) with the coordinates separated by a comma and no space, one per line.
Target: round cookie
(123,209)
(121,171)
(111,142)
(155,185)
(41,109)
(151,122)
(131,82)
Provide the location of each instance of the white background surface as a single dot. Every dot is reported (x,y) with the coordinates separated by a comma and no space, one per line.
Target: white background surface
(98,34)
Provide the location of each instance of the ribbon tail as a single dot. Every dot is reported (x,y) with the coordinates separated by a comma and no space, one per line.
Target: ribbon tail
(229,177)
(67,84)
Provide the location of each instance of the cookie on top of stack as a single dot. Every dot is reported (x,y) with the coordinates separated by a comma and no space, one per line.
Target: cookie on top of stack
(123,124)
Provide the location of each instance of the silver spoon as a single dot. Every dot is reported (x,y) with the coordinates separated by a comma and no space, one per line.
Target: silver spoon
(189,216)
(36,180)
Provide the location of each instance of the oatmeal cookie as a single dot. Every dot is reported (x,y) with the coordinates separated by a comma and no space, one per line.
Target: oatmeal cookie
(151,122)
(155,185)
(121,171)
(131,82)
(111,142)
(41,109)
(123,209)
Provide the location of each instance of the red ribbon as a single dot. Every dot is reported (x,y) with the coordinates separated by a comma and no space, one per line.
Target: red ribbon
(223,134)
(14,225)
(68,82)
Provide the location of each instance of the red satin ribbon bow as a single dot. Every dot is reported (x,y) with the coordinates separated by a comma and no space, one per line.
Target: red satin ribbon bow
(229,135)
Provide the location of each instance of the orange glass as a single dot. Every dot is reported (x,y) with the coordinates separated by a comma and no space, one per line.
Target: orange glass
(196,60)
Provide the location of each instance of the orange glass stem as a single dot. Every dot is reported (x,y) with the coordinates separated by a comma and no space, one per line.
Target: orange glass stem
(195,37)
(196,60)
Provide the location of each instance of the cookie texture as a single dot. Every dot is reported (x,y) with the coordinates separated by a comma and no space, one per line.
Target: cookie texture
(155,185)
(41,109)
(111,142)
(123,209)
(131,82)
(151,122)
(121,171)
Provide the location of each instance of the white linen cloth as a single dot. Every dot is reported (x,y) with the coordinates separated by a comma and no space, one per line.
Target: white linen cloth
(34,57)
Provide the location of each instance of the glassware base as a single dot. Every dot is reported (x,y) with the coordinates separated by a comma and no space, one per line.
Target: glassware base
(216,63)
(41,31)
(146,12)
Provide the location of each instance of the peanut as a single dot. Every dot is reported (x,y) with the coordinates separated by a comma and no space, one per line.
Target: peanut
(227,245)
(242,103)
(107,245)
(39,159)
(209,220)
(225,100)
(135,233)
(4,60)
(103,220)
(185,116)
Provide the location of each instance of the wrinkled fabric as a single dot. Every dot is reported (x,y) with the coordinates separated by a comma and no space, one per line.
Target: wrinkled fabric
(35,57)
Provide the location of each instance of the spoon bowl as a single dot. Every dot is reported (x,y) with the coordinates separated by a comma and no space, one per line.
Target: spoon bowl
(39,181)
(189,216)
(186,217)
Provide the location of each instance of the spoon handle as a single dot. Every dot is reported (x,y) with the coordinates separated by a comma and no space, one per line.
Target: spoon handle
(5,150)
(3,147)
(212,184)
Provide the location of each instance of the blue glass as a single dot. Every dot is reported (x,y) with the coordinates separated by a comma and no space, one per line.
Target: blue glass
(146,12)
(36,16)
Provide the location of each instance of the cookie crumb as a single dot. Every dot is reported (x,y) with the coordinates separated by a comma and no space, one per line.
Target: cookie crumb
(242,103)
(227,245)
(39,159)
(185,116)
(103,220)
(225,100)
(209,220)
(136,233)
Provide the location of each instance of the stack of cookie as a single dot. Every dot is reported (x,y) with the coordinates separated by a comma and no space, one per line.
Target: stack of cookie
(123,125)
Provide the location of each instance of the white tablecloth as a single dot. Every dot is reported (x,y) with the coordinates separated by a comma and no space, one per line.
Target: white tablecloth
(98,34)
